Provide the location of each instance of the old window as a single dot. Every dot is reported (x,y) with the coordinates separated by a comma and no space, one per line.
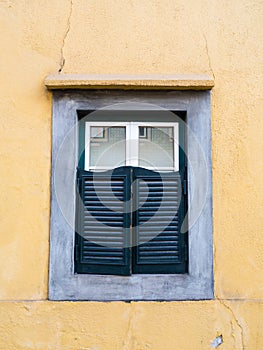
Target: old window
(132,170)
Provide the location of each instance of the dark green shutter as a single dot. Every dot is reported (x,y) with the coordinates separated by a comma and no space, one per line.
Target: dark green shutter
(159,247)
(103,222)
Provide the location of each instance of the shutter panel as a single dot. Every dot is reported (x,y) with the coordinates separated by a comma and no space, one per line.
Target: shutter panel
(103,222)
(159,247)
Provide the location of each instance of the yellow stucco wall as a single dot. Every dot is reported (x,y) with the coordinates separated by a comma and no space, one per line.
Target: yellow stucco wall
(221,38)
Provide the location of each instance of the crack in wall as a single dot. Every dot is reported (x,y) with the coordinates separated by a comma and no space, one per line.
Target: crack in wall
(232,330)
(208,56)
(237,323)
(62,58)
(128,334)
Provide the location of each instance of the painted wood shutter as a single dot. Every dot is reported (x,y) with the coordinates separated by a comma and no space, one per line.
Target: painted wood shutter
(106,223)
(159,246)
(103,222)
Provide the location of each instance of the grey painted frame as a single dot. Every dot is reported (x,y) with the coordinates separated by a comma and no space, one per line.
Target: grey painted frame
(198,283)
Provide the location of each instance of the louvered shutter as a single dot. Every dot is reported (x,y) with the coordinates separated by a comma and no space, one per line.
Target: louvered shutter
(103,222)
(159,204)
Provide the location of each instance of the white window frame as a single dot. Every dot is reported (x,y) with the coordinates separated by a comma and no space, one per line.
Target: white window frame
(132,153)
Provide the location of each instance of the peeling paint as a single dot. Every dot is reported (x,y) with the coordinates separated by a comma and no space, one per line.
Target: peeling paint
(217,342)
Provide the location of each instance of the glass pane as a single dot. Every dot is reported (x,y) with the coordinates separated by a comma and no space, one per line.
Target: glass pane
(107,147)
(156,147)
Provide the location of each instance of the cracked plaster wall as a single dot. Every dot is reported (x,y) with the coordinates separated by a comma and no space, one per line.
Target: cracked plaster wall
(221,38)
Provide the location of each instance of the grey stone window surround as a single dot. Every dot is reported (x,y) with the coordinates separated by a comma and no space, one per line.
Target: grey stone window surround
(197,284)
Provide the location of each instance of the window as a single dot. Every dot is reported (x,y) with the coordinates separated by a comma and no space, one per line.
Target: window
(91,121)
(131,198)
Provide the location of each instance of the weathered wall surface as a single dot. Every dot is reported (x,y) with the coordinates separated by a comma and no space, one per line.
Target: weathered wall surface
(221,38)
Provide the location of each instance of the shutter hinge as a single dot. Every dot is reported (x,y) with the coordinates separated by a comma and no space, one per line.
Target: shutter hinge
(78,178)
(185,252)
(77,252)
(185,187)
